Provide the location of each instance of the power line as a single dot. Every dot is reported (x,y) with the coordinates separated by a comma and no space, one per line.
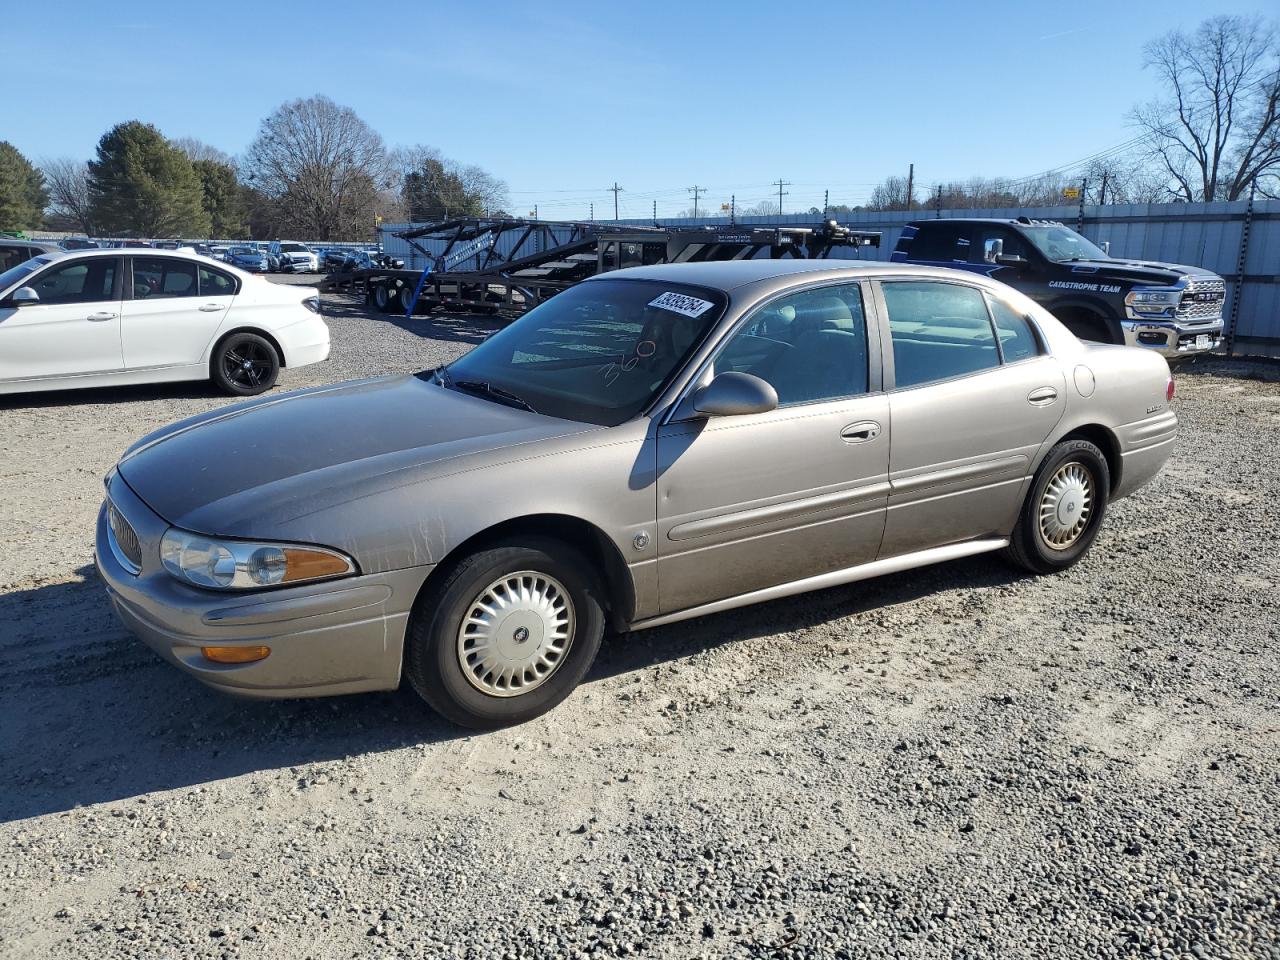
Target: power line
(780,183)
(695,190)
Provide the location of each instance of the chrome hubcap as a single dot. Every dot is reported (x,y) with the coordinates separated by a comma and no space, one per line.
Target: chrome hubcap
(516,633)
(1066,506)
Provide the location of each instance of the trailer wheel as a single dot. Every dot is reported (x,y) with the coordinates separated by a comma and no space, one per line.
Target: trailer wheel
(382,298)
(406,298)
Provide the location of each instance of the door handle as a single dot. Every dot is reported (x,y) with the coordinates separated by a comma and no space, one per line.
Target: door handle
(860,432)
(99,317)
(1042,396)
(210,307)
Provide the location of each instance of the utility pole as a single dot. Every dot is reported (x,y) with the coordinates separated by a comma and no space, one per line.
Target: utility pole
(697,191)
(937,203)
(780,183)
(1102,195)
(911,182)
(826,202)
(615,188)
(655,213)
(592,214)
(733,210)
(1084,186)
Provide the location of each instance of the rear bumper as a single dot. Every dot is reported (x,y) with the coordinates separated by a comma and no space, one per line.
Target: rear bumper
(343,636)
(1173,338)
(1145,445)
(305,342)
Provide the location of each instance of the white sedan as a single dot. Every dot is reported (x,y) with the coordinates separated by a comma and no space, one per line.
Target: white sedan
(94,318)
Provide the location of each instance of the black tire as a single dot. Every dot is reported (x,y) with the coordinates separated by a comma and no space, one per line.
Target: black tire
(244,365)
(406,298)
(383,298)
(433,661)
(1030,546)
(1088,325)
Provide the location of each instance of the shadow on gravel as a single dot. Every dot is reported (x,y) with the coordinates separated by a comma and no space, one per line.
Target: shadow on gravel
(454,328)
(183,390)
(628,652)
(90,715)
(1266,369)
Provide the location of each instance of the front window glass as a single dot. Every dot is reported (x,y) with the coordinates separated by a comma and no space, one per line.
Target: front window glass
(1062,243)
(810,346)
(939,330)
(80,281)
(599,352)
(159,278)
(293,248)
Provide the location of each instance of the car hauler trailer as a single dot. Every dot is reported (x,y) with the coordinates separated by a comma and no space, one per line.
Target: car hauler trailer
(508,266)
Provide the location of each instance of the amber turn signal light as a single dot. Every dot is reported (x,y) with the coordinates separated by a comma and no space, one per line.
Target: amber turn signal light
(303,564)
(235,654)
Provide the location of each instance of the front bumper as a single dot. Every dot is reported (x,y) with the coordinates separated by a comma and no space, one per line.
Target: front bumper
(1174,338)
(339,636)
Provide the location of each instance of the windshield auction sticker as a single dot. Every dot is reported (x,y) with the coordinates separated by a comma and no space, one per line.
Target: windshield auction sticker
(680,303)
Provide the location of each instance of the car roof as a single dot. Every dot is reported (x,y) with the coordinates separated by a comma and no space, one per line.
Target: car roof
(730,274)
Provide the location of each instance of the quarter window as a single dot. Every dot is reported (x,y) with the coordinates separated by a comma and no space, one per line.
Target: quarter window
(88,280)
(159,278)
(810,346)
(939,330)
(1017,339)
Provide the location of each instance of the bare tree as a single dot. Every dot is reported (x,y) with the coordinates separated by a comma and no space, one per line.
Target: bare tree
(67,181)
(432,186)
(322,166)
(891,194)
(199,150)
(1218,130)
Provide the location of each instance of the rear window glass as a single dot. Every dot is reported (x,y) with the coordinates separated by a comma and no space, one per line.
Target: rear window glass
(939,330)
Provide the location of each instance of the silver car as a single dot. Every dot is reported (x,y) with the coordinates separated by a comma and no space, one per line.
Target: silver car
(649,446)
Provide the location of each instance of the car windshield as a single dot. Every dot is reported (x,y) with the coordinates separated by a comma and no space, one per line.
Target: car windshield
(599,352)
(14,274)
(1062,243)
(245,251)
(293,248)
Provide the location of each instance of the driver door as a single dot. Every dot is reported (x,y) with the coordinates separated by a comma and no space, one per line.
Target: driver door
(74,329)
(747,502)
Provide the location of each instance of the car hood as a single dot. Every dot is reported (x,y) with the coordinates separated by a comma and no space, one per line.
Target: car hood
(1138,271)
(245,470)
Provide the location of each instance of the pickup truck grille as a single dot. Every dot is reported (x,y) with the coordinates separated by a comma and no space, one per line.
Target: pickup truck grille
(124,538)
(1202,299)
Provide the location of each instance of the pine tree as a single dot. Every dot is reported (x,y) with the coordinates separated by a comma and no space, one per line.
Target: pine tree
(142,185)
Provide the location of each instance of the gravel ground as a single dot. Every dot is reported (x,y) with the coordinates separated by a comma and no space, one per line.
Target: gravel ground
(960,761)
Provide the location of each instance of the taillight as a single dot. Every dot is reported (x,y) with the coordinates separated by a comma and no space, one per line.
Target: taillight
(1168,390)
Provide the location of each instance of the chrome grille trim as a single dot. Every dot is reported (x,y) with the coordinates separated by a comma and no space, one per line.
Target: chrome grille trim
(1202,309)
(123,540)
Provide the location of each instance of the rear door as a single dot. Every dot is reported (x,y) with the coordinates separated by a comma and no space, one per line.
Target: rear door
(172,310)
(974,396)
(74,330)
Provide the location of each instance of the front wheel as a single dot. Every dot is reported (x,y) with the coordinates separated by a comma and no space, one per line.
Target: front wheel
(245,365)
(506,635)
(1064,509)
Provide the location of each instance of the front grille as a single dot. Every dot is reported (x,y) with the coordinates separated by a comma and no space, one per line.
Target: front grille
(128,549)
(1202,299)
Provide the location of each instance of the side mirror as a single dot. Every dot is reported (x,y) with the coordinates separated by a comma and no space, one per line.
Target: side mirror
(24,297)
(993,250)
(735,395)
(1106,247)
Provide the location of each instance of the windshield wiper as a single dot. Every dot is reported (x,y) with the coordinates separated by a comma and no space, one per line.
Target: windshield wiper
(497,393)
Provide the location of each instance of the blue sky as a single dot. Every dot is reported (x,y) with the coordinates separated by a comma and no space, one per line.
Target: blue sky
(562,99)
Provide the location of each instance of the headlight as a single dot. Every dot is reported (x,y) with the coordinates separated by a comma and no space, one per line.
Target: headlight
(246,565)
(1152,301)
(312,304)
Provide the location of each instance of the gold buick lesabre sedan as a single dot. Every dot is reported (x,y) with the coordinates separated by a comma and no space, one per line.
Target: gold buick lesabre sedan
(651,445)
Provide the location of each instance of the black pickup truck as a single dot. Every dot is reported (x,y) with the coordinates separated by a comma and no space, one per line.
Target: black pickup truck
(1174,309)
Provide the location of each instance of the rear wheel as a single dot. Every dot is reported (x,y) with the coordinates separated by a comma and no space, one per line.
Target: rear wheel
(506,635)
(406,298)
(382,298)
(245,364)
(1063,511)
